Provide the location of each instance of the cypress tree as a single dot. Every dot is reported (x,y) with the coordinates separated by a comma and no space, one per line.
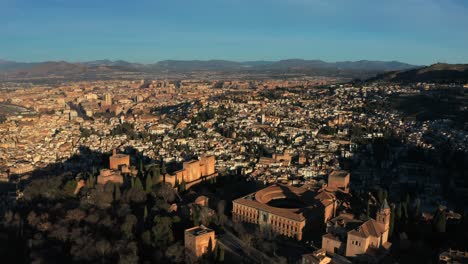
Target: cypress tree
(221,255)
(156,174)
(149,184)
(392,222)
(210,249)
(380,195)
(138,184)
(439,221)
(404,206)
(407,198)
(116,192)
(182,186)
(140,165)
(368,209)
(398,212)
(145,214)
(163,171)
(92,181)
(176,183)
(417,209)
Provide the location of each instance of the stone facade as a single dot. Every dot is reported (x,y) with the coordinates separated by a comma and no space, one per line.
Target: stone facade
(198,239)
(332,244)
(351,237)
(107,175)
(194,171)
(372,234)
(254,208)
(339,180)
(118,164)
(116,161)
(21,169)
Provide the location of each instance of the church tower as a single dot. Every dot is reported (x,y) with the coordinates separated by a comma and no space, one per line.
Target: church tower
(383,215)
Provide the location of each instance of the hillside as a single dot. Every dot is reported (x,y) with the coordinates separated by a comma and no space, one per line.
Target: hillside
(437,73)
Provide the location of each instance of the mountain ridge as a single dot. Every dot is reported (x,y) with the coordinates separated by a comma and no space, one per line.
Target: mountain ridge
(350,69)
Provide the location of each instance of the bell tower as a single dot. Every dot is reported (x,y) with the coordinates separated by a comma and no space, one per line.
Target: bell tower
(383,215)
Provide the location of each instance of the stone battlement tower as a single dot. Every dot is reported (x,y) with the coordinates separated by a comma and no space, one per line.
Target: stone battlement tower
(116,161)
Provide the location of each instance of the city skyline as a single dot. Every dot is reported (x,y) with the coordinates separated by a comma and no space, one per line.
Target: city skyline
(419,32)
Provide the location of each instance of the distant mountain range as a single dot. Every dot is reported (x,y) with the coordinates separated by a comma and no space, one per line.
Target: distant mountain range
(438,73)
(350,69)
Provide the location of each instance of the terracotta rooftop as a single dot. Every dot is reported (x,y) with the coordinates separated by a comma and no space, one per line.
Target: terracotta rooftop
(369,228)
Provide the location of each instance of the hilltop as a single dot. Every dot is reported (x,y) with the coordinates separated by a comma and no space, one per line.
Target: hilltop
(438,73)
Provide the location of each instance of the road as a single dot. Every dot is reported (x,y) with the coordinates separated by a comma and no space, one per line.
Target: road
(246,253)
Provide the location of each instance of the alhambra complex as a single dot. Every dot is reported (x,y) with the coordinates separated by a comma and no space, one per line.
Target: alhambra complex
(286,209)
(118,164)
(194,171)
(353,238)
(199,240)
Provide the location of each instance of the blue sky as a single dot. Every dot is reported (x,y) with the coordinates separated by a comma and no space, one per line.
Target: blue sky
(413,31)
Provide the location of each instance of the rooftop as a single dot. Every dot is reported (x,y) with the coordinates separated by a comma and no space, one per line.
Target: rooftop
(339,174)
(198,230)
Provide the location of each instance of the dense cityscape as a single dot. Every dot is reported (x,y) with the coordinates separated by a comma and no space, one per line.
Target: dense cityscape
(284,171)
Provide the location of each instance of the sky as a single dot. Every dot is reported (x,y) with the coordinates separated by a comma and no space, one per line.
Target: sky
(414,31)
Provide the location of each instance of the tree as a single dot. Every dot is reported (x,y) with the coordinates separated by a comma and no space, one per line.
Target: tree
(439,221)
(162,231)
(69,188)
(222,218)
(176,183)
(146,238)
(103,247)
(141,169)
(117,193)
(220,254)
(166,192)
(210,249)
(398,212)
(145,213)
(138,184)
(392,221)
(407,199)
(380,195)
(201,215)
(163,171)
(417,209)
(183,186)
(91,182)
(175,253)
(368,209)
(128,226)
(404,207)
(149,184)
(156,174)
